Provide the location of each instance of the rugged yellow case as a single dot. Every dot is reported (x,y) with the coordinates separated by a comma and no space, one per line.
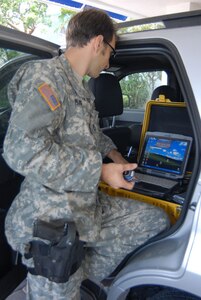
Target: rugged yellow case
(173,210)
(155,122)
(165,103)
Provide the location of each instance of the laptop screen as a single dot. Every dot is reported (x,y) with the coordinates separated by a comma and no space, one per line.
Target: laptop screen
(165,153)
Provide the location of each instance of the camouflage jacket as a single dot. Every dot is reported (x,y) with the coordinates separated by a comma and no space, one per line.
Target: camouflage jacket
(54,140)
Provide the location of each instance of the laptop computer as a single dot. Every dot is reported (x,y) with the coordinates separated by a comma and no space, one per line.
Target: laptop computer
(162,163)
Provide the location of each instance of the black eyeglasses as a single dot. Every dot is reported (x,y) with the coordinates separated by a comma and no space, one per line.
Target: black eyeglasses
(113,50)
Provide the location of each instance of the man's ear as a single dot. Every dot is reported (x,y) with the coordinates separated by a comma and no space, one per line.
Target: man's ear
(98,43)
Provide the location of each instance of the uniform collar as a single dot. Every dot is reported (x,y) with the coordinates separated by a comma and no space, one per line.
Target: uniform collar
(80,89)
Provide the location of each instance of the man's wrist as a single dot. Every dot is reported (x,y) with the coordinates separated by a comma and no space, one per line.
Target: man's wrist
(113,154)
(116,157)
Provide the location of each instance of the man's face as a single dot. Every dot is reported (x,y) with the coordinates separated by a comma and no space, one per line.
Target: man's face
(101,60)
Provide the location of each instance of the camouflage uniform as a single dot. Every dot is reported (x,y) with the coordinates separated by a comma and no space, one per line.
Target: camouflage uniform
(56,143)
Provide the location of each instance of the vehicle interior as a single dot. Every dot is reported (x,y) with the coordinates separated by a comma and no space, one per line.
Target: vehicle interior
(162,108)
(142,70)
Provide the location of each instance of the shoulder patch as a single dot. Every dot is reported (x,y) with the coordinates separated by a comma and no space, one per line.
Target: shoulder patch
(49,96)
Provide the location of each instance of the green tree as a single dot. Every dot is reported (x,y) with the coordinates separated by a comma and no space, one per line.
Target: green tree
(144,27)
(137,88)
(7,54)
(23,15)
(64,18)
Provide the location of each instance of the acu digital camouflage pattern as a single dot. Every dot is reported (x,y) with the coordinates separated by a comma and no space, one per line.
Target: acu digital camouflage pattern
(60,154)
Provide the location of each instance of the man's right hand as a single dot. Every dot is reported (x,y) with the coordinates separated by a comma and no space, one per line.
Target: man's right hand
(112,174)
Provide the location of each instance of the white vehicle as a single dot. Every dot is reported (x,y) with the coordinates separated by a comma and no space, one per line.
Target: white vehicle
(168,266)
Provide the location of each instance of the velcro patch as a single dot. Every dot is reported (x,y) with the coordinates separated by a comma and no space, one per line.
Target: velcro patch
(49,96)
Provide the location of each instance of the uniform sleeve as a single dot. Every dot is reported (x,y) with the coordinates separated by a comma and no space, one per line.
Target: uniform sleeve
(33,149)
(105,144)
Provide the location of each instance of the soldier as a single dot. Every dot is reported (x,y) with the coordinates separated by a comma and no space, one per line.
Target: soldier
(55,142)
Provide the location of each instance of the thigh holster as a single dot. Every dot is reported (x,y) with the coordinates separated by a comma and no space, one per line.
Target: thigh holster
(60,255)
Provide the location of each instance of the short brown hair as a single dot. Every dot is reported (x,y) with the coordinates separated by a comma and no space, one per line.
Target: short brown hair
(87,24)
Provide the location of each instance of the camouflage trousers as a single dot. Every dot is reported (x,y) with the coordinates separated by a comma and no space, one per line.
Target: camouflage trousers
(126,224)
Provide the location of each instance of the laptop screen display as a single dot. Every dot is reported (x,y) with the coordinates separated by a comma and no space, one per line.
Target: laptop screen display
(165,153)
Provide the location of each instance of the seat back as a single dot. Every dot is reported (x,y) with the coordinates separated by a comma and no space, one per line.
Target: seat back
(108,95)
(109,103)
(166,90)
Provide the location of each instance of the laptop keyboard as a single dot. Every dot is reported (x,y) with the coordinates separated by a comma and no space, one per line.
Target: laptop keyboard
(163,182)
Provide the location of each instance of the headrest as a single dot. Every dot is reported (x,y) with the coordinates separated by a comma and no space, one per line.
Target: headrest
(108,95)
(166,90)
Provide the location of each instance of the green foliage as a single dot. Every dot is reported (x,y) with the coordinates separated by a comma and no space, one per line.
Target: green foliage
(23,15)
(64,17)
(136,28)
(7,54)
(137,88)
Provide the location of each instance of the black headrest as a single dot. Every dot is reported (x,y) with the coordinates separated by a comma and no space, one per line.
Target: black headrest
(108,95)
(166,90)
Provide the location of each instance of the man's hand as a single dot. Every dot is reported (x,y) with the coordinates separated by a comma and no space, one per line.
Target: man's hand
(112,174)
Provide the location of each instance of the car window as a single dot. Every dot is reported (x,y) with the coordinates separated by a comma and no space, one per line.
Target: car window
(137,88)
(10,61)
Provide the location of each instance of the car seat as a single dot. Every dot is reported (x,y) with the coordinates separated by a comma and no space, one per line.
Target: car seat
(109,103)
(166,90)
(11,269)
